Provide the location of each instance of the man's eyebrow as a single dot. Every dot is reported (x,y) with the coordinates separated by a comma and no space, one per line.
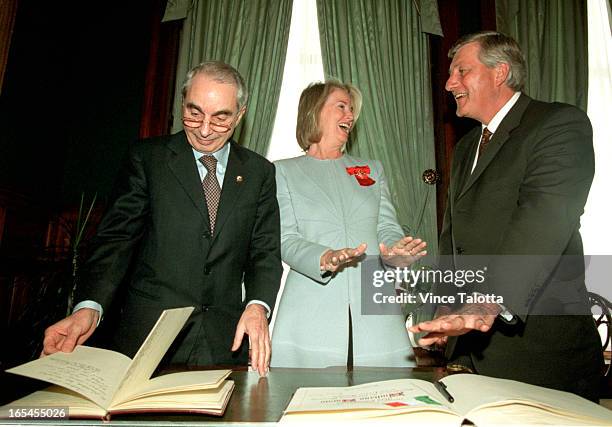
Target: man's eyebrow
(194,106)
(216,113)
(222,113)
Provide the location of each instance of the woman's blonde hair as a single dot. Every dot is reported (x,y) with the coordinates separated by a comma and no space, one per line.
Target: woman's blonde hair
(313,98)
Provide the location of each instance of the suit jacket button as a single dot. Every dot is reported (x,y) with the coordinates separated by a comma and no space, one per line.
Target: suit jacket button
(206,235)
(459,250)
(205,308)
(206,270)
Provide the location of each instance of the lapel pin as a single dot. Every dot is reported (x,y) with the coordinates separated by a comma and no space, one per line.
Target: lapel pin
(239,179)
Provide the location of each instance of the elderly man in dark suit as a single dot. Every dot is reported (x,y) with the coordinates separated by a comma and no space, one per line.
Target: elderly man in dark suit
(518,187)
(194,216)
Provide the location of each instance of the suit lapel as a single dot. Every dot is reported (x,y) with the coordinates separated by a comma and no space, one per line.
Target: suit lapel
(182,164)
(466,157)
(233,182)
(499,138)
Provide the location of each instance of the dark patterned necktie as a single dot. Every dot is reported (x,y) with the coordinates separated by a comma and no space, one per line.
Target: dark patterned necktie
(212,190)
(484,141)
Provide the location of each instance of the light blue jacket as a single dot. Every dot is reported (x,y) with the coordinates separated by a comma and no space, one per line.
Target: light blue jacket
(323,207)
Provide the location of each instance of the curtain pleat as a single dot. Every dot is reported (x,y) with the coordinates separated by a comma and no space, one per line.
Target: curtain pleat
(553,37)
(379,47)
(252,36)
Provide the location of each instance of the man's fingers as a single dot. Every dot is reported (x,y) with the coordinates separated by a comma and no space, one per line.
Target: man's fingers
(443,325)
(430,326)
(432,339)
(453,325)
(483,324)
(67,333)
(52,344)
(70,340)
(255,324)
(261,358)
(264,352)
(268,354)
(238,336)
(256,351)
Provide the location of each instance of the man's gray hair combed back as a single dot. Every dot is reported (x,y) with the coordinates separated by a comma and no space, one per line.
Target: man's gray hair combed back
(497,48)
(222,73)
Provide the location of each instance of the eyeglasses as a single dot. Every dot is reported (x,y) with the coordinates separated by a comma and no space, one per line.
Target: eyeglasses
(196,120)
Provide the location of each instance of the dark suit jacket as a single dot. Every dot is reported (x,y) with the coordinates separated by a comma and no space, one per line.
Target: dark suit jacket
(525,197)
(157,232)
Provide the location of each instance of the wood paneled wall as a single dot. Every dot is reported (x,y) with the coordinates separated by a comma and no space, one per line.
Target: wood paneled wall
(457,17)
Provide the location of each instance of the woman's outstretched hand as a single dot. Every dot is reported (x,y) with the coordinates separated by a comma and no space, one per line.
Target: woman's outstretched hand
(332,260)
(404,252)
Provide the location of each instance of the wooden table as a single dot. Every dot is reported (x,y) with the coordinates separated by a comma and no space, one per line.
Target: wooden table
(263,400)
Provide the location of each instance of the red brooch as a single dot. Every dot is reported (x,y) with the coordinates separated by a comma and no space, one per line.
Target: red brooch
(362,173)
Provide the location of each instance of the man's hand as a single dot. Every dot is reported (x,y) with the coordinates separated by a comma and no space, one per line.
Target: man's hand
(470,317)
(68,332)
(333,260)
(404,252)
(254,323)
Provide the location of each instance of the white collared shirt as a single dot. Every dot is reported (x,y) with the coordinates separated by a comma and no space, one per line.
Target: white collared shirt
(222,155)
(496,120)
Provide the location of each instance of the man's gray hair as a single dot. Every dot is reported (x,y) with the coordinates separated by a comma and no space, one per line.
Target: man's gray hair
(222,73)
(497,48)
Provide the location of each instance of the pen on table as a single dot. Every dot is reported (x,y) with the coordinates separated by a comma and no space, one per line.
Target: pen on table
(442,389)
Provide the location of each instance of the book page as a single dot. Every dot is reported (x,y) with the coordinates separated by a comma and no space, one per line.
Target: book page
(388,396)
(181,381)
(474,392)
(524,415)
(210,401)
(152,351)
(93,372)
(373,417)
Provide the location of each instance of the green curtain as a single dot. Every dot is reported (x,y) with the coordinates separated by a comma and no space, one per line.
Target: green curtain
(553,36)
(378,46)
(252,36)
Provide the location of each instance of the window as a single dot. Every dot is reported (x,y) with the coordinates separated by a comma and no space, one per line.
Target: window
(303,65)
(596,228)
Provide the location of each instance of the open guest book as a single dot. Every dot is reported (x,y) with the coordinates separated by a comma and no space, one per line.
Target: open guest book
(97,383)
(478,400)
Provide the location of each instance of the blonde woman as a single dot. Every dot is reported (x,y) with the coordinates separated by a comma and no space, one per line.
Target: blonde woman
(335,209)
